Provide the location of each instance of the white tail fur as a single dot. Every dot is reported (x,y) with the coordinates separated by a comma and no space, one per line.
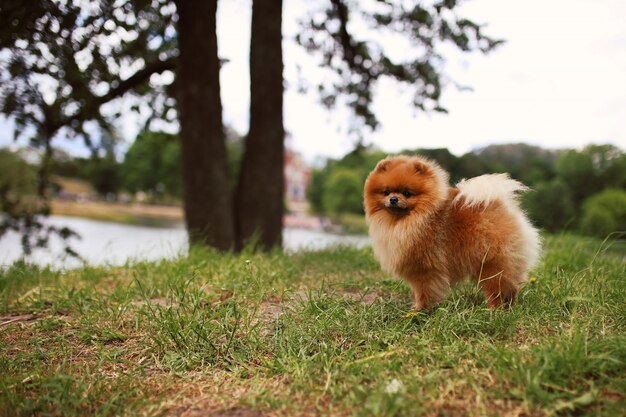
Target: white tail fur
(488,188)
(492,187)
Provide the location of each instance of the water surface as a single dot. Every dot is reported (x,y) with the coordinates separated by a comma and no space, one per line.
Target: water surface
(107,243)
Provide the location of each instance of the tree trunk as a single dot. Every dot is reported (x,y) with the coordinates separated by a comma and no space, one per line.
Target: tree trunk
(259,197)
(207,197)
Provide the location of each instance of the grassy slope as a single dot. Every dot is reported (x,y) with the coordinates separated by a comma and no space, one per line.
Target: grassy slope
(311,334)
(117,212)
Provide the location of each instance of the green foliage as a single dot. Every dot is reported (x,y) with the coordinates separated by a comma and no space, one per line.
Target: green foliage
(468,166)
(338,187)
(591,170)
(550,206)
(152,164)
(343,192)
(362,159)
(104,174)
(21,206)
(527,163)
(64,165)
(234,153)
(442,156)
(604,213)
(17,177)
(315,191)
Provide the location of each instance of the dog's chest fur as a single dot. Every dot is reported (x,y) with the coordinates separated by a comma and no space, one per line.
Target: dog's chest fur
(401,246)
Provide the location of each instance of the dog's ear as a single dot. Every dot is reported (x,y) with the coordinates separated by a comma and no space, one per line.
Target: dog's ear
(419,167)
(382,165)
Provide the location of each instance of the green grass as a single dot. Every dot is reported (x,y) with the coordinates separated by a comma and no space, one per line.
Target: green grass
(316,333)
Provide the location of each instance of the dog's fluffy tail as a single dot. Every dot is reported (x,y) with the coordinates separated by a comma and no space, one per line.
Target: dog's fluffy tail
(500,187)
(488,188)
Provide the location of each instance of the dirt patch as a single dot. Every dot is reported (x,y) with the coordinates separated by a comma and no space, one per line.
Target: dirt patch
(222,395)
(270,311)
(17,318)
(367,298)
(160,301)
(238,412)
(213,394)
(204,412)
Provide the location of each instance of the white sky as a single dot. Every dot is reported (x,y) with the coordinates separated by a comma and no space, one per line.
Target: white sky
(559,81)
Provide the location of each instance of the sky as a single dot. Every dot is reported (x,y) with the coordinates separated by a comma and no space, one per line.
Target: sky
(558,81)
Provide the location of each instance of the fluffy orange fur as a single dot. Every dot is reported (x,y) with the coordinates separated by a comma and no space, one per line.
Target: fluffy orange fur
(434,235)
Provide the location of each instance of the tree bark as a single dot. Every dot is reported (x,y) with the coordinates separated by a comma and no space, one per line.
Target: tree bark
(207,197)
(259,197)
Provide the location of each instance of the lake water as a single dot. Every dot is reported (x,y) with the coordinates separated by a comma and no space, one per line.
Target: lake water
(106,243)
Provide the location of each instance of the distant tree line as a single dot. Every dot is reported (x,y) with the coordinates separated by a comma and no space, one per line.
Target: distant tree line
(572,190)
(152,164)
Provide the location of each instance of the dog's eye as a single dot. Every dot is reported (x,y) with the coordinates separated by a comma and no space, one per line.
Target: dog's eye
(386,192)
(406,194)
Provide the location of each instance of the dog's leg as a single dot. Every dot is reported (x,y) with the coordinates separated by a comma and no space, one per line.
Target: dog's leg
(499,289)
(429,289)
(419,301)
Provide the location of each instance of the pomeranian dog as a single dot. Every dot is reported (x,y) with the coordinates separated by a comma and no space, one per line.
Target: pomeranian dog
(434,235)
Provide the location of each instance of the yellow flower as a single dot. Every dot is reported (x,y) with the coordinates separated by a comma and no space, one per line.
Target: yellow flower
(410,314)
(532,280)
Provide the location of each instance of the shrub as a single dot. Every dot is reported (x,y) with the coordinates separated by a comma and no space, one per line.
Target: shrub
(315,191)
(604,213)
(343,192)
(550,206)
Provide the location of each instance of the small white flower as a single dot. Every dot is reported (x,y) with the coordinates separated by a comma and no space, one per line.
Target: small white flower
(394,386)
(248,261)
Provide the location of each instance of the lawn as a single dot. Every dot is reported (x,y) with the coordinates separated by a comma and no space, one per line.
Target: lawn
(316,333)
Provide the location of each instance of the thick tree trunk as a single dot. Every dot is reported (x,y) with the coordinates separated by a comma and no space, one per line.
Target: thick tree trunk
(259,196)
(207,197)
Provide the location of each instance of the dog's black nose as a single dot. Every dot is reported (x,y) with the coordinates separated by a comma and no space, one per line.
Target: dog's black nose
(393,200)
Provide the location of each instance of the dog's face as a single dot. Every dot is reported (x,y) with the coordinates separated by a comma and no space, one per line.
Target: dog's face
(402,185)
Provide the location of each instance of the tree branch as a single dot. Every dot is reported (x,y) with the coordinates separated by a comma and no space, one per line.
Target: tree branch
(345,39)
(124,86)
(137,79)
